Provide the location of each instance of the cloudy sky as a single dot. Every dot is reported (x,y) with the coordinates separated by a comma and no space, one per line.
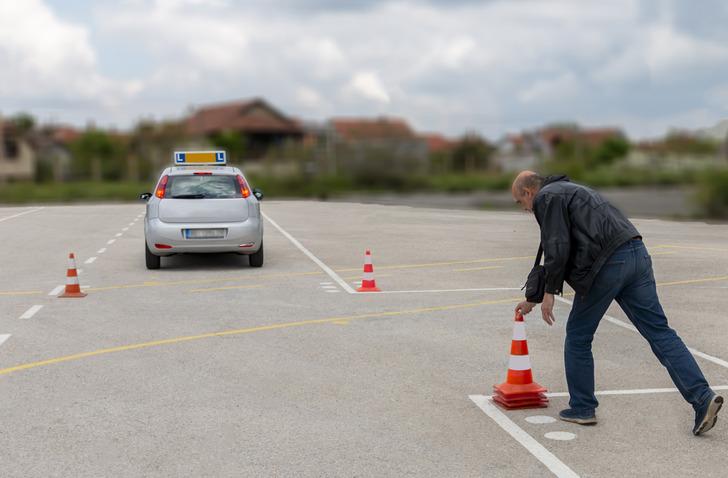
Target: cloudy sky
(449,66)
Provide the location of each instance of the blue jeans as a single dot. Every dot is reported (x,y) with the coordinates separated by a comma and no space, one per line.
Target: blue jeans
(626,277)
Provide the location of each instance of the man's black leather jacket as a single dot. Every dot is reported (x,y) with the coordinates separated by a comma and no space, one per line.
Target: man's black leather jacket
(579,231)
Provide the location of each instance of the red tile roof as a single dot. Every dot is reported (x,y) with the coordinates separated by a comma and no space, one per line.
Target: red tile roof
(437,143)
(239,116)
(377,128)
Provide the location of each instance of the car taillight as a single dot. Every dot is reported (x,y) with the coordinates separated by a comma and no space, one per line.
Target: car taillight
(244,189)
(162,246)
(161,187)
(202,173)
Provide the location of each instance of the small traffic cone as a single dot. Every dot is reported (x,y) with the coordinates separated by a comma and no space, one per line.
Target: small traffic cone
(368,284)
(72,287)
(519,390)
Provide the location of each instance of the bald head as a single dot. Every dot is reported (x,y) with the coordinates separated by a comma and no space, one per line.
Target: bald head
(526,180)
(525,187)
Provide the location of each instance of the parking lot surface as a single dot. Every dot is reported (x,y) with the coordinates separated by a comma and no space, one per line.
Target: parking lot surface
(208,367)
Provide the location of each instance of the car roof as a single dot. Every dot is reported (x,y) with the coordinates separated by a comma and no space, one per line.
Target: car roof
(189,170)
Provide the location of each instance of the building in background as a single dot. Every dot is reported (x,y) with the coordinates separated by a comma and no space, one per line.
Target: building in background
(529,149)
(257,125)
(384,143)
(17,158)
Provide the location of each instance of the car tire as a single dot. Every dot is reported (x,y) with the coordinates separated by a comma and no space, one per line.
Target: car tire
(153,262)
(256,259)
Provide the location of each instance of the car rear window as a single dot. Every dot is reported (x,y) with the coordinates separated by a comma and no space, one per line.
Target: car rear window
(203,187)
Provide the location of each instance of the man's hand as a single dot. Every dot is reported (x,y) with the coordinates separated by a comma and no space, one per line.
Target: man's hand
(525,307)
(547,309)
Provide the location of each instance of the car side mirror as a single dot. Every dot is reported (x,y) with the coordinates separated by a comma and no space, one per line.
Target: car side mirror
(258,194)
(145,196)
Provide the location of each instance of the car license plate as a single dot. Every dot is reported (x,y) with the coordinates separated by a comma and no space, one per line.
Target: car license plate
(204,233)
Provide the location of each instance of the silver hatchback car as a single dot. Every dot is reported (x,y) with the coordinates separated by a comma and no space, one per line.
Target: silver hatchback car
(200,205)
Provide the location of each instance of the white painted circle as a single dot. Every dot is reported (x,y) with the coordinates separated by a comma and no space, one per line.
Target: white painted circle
(540,419)
(561,436)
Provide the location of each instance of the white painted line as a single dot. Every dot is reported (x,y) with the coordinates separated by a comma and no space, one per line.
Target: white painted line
(621,323)
(642,391)
(131,223)
(118,234)
(90,260)
(556,466)
(110,241)
(315,259)
(325,283)
(125,229)
(56,291)
(329,287)
(31,312)
(447,290)
(3,338)
(709,358)
(101,251)
(21,214)
(332,291)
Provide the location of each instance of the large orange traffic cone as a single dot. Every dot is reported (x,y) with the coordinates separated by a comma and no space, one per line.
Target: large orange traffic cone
(72,287)
(368,284)
(519,390)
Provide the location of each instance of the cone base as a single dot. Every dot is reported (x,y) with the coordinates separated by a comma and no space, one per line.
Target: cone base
(535,401)
(514,390)
(368,289)
(69,295)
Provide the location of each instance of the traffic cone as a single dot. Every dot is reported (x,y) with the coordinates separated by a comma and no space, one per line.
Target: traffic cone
(368,284)
(72,287)
(519,390)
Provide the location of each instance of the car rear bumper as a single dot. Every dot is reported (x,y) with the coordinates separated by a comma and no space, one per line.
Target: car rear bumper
(247,232)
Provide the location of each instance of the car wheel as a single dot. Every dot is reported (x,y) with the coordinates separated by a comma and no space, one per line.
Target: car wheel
(153,262)
(256,260)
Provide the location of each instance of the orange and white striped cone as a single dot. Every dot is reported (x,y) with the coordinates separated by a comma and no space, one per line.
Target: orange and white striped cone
(519,390)
(73,289)
(368,284)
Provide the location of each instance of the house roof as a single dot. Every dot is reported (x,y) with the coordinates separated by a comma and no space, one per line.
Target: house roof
(372,128)
(240,116)
(437,143)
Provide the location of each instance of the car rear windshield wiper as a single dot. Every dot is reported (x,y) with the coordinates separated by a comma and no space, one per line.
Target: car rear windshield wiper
(189,196)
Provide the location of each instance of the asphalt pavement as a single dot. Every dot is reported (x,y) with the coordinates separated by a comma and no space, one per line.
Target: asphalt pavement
(208,367)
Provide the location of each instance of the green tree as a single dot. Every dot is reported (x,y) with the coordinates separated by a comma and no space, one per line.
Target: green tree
(609,151)
(471,153)
(98,155)
(232,142)
(23,122)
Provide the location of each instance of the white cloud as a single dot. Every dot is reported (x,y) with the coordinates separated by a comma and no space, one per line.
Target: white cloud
(561,88)
(670,51)
(308,97)
(489,66)
(367,84)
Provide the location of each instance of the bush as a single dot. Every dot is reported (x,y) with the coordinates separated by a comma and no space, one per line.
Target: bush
(712,194)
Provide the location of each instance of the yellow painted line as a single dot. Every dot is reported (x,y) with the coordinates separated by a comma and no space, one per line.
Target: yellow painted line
(201,281)
(666,253)
(441,264)
(479,269)
(341,322)
(20,292)
(228,288)
(693,248)
(694,281)
(189,338)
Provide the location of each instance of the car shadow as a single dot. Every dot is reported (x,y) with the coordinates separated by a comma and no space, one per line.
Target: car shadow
(205,261)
